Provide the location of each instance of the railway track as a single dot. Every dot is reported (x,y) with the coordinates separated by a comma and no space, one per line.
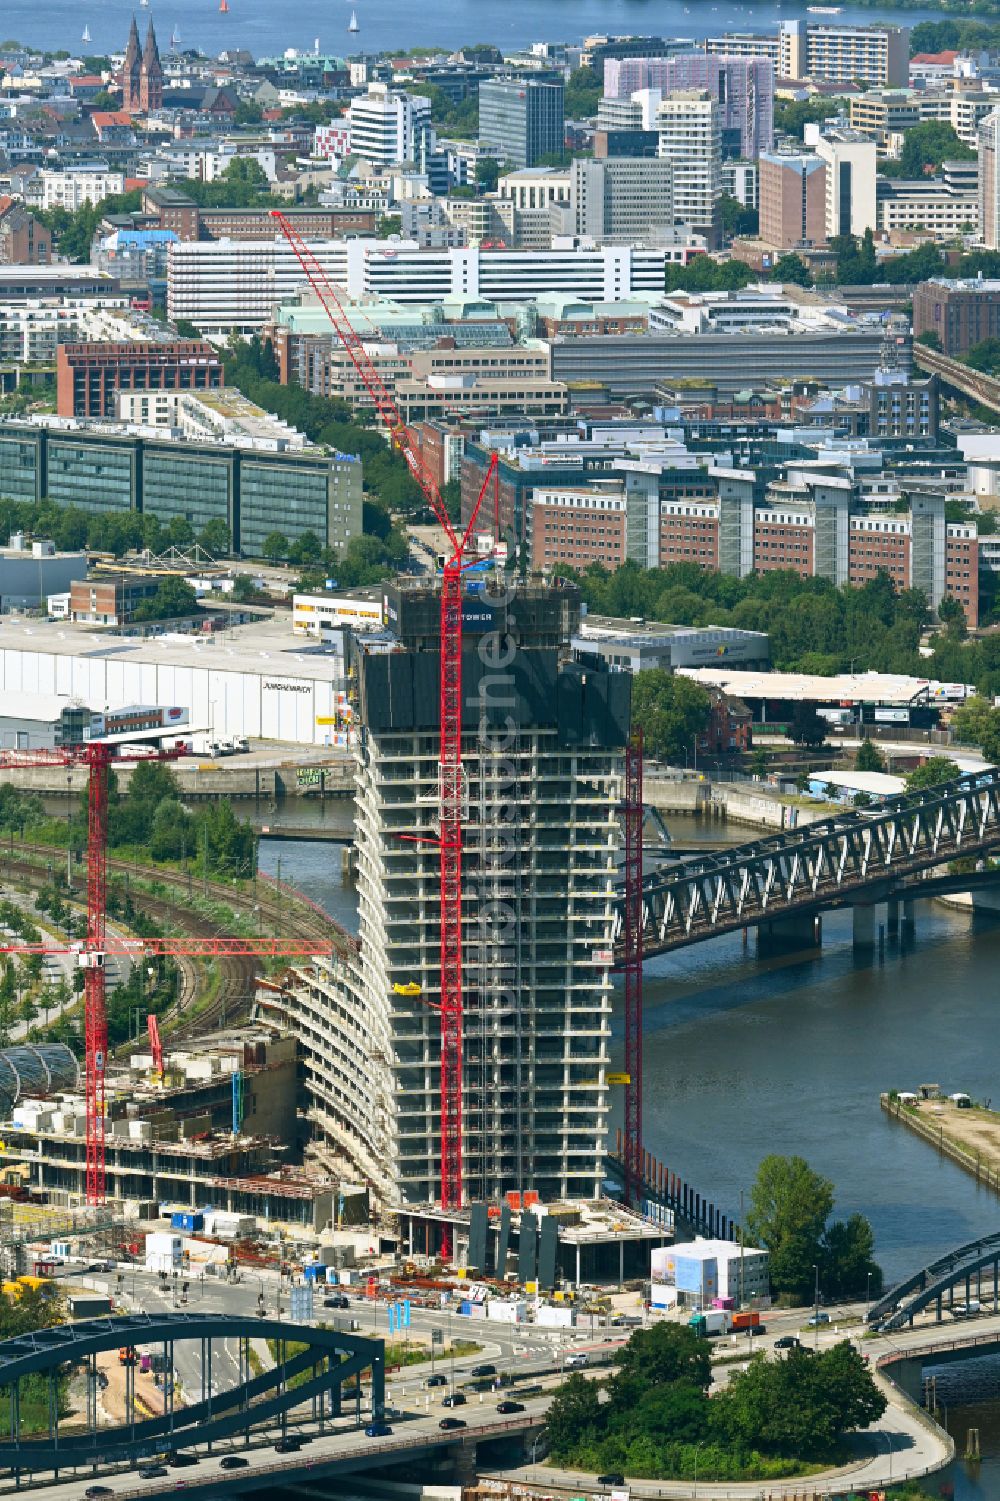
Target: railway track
(282,910)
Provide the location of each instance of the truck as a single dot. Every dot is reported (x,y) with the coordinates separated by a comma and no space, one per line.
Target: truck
(709,1322)
(745,1321)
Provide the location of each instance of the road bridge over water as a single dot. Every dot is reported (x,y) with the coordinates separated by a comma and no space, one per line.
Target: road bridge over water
(852,859)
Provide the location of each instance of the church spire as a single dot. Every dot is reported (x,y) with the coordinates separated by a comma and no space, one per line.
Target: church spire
(131,69)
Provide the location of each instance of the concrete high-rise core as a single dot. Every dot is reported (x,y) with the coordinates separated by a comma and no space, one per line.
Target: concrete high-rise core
(542,753)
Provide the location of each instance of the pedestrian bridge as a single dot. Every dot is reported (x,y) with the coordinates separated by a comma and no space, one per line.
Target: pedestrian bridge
(850,859)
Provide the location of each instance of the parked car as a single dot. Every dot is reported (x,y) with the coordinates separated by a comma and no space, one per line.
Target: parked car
(152,1472)
(613,1479)
(287,1446)
(577,1358)
(450,1423)
(816,1319)
(510,1406)
(787,1342)
(378,1430)
(180,1461)
(436,1380)
(98,1492)
(233,1462)
(757,1329)
(454,1399)
(483,1370)
(337,1301)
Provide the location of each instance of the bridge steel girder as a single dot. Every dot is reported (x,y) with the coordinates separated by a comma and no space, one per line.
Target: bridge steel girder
(973,1252)
(932,1291)
(838,861)
(216,1417)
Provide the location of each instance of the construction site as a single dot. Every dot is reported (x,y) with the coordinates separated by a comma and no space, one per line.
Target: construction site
(446,1071)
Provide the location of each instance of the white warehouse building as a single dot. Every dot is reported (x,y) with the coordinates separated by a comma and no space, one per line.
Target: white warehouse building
(251,681)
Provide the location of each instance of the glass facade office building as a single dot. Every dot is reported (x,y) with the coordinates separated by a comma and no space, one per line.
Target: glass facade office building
(252,492)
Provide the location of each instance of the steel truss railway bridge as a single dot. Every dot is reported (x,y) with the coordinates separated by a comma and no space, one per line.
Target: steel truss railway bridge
(852,859)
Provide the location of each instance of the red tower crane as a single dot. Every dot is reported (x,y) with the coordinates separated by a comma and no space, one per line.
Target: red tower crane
(155,1043)
(451,784)
(632,968)
(97,756)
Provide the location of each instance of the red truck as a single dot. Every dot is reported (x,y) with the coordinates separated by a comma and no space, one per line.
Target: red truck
(745,1321)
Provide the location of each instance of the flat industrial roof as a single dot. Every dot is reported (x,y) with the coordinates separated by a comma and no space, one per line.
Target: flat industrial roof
(878,783)
(260,647)
(846,688)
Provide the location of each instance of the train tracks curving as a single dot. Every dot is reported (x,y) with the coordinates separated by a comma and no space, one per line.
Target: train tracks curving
(267,907)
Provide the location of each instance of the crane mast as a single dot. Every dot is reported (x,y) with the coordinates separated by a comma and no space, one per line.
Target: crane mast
(451,775)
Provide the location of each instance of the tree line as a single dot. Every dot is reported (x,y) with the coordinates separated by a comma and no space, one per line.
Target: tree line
(814,626)
(653,1419)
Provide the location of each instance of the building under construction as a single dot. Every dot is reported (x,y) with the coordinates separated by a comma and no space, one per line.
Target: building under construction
(543,738)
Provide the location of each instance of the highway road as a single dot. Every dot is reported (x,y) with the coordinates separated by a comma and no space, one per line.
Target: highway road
(903,1444)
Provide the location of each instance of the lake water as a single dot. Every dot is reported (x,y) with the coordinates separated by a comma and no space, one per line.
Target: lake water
(267,27)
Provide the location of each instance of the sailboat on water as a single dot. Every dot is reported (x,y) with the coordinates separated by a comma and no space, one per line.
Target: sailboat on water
(175,38)
(86,34)
(224,7)
(352,24)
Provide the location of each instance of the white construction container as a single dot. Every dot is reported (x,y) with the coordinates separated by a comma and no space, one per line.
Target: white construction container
(555,1316)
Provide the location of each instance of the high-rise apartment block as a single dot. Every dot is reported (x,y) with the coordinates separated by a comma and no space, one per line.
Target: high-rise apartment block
(542,746)
(690,138)
(744,88)
(989,180)
(829,52)
(851,199)
(521,119)
(792,199)
(388,127)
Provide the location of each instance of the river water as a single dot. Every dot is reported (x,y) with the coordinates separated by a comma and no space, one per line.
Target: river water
(268,26)
(746,1056)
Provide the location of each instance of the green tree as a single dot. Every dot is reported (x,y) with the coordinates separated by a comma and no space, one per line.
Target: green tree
(584,88)
(670,710)
(275,547)
(789,1208)
(801,1406)
(575,1415)
(174,598)
(388,225)
(807,727)
(925,147)
(244,589)
(792,268)
(736,218)
(869,757)
(931,339)
(952,617)
(932,773)
(848,1268)
(487,174)
(659,1357)
(215,538)
(984,356)
(971,723)
(791,117)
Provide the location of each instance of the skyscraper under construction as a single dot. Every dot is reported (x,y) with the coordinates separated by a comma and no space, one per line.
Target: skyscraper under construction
(542,747)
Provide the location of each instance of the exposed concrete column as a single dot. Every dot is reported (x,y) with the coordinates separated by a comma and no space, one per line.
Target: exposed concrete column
(909,915)
(892,918)
(864,928)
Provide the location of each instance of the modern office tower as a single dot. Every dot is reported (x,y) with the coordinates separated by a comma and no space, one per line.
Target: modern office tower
(521,119)
(387,126)
(691,140)
(792,199)
(542,747)
(622,199)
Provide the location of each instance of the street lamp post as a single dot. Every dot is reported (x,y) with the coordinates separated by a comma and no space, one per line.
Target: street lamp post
(868,1295)
(697,1450)
(816,1309)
